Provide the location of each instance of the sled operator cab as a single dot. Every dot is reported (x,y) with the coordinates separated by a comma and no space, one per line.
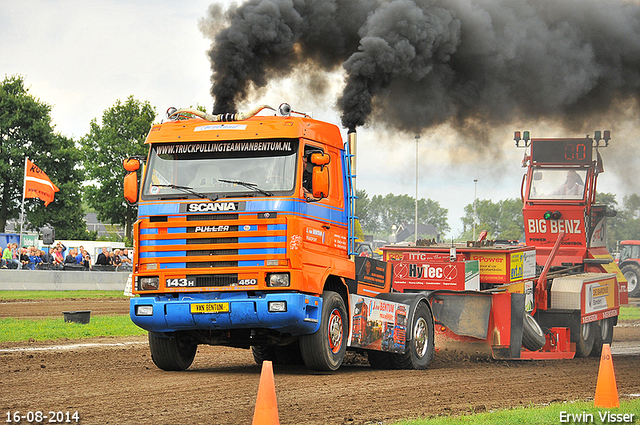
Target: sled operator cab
(558,194)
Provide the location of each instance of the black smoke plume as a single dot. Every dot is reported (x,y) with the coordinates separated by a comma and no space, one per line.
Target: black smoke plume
(412,64)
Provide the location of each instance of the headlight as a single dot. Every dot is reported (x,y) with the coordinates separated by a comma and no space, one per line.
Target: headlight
(149,283)
(277,306)
(278,280)
(144,310)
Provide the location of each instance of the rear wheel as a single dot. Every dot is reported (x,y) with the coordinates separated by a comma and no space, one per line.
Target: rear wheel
(173,353)
(585,339)
(420,347)
(533,338)
(325,349)
(631,272)
(604,335)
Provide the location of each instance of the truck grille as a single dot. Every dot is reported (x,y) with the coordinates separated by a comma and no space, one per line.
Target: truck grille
(209,264)
(202,253)
(206,217)
(214,247)
(209,241)
(205,280)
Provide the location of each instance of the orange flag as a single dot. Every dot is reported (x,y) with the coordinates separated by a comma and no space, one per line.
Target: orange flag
(38,185)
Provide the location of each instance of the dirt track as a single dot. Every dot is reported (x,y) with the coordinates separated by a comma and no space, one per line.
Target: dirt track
(117,383)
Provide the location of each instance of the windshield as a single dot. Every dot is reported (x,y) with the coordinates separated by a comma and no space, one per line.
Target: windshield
(220,169)
(629,251)
(557,183)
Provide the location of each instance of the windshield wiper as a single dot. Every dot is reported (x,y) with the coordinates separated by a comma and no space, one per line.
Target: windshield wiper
(248,185)
(188,190)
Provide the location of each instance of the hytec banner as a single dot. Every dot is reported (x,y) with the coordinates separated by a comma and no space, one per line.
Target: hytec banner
(37,184)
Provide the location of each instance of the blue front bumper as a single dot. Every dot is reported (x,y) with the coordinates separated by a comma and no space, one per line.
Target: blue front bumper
(302,315)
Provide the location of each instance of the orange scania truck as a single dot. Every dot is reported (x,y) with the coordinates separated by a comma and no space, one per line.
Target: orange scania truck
(244,238)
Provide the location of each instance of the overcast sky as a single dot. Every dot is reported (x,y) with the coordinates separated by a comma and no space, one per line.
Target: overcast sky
(80,57)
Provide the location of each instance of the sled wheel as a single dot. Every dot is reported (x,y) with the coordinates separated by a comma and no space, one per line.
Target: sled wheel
(173,353)
(631,272)
(262,353)
(325,349)
(420,347)
(604,335)
(585,338)
(533,338)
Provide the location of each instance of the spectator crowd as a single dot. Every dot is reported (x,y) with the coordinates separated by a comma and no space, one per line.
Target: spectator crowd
(53,258)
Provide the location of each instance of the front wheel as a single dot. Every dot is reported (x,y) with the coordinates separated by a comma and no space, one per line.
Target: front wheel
(173,353)
(631,272)
(325,349)
(420,347)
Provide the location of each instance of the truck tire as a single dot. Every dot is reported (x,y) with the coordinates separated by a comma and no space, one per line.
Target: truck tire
(173,353)
(262,353)
(604,335)
(325,349)
(533,338)
(586,336)
(631,272)
(420,346)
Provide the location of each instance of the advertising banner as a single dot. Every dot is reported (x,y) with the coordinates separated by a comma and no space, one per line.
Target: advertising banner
(378,324)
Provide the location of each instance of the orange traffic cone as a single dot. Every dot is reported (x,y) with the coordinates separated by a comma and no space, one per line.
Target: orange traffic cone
(606,389)
(266,412)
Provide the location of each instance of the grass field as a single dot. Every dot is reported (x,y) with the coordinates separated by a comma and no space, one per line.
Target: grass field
(629,313)
(544,415)
(46,295)
(57,328)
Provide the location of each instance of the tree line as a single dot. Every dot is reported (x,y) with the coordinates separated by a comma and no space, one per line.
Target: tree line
(89,173)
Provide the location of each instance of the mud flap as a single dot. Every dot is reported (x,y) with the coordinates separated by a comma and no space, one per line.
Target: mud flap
(496,319)
(465,313)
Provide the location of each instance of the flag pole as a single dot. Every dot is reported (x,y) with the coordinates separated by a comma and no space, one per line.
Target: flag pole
(24,189)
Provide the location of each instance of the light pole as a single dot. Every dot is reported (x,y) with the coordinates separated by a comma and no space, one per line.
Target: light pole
(475,191)
(416,218)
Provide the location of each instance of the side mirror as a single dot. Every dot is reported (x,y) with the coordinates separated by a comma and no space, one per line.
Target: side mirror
(320,181)
(131,187)
(131,180)
(131,164)
(320,159)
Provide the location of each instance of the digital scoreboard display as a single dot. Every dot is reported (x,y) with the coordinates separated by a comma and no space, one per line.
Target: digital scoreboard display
(562,151)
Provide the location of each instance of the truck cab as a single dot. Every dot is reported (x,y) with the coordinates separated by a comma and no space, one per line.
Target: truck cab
(244,238)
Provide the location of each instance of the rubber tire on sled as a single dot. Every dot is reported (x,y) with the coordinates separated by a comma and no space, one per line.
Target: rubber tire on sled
(533,337)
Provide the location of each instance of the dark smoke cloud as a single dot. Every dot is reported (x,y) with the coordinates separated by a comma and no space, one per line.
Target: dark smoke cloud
(412,64)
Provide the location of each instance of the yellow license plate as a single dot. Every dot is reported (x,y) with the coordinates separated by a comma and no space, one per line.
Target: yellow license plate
(210,308)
